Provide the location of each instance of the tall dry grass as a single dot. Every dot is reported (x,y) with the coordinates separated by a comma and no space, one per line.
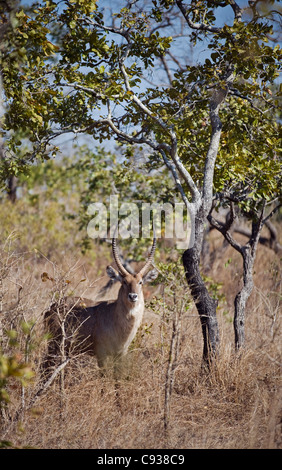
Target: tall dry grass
(236,405)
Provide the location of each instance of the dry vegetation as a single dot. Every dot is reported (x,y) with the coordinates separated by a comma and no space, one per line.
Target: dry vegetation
(236,405)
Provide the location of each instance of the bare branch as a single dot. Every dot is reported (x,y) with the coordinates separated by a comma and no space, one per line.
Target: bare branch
(39,392)
(246,98)
(111,29)
(216,101)
(174,173)
(139,103)
(181,67)
(122,135)
(49,382)
(167,70)
(237,10)
(196,197)
(81,87)
(276,208)
(224,229)
(197,26)
(271,242)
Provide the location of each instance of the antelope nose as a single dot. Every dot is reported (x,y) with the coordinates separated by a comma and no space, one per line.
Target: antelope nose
(133,297)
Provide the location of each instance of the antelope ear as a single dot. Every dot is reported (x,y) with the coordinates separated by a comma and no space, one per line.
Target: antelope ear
(113,274)
(150,276)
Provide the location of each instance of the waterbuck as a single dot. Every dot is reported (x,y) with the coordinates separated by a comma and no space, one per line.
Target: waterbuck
(106,328)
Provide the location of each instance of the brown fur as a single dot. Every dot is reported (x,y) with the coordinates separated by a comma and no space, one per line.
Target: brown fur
(104,329)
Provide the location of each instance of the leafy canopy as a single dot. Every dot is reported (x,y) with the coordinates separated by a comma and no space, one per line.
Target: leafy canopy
(71,66)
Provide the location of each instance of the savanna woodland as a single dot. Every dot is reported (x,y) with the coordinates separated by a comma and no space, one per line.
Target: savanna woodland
(161,101)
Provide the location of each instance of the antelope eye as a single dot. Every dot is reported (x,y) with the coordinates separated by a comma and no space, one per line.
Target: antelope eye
(140,282)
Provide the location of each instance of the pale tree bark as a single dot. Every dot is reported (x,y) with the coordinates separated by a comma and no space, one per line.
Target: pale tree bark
(243,295)
(205,304)
(197,198)
(201,197)
(248,253)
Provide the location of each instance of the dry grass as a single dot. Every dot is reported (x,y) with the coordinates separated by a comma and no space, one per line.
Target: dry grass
(237,405)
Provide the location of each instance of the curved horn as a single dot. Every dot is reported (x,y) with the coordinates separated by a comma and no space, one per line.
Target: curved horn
(145,268)
(121,268)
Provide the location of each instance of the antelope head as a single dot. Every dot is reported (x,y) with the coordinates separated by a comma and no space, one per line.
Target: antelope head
(132,290)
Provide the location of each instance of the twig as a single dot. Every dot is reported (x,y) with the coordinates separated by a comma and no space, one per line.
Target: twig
(172,362)
(39,392)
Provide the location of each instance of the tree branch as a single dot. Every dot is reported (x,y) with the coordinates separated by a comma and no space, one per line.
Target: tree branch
(122,135)
(196,197)
(110,29)
(246,98)
(217,100)
(174,173)
(224,228)
(166,68)
(139,103)
(271,242)
(276,208)
(197,26)
(236,9)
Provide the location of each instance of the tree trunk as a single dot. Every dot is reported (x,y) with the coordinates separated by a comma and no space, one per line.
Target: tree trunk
(12,188)
(242,297)
(205,304)
(248,253)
